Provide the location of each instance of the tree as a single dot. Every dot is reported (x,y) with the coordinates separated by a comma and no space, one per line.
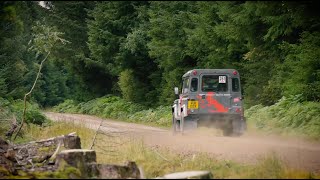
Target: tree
(70,17)
(168,22)
(12,67)
(117,42)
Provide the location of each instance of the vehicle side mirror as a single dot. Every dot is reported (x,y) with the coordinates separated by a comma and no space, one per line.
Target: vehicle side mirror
(176,90)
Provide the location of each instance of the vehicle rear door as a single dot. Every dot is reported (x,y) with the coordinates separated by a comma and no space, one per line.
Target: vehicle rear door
(214,93)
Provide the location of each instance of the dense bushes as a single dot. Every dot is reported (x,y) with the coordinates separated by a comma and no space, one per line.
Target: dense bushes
(33,114)
(117,108)
(14,109)
(288,116)
(160,116)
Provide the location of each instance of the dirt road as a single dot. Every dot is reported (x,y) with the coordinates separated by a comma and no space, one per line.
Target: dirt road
(296,153)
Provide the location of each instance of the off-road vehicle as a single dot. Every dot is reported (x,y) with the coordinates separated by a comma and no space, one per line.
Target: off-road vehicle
(211,98)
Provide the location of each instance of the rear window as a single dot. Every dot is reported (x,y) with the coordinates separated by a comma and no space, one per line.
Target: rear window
(194,85)
(214,83)
(235,85)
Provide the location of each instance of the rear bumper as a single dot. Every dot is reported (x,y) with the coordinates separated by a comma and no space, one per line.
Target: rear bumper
(215,117)
(214,120)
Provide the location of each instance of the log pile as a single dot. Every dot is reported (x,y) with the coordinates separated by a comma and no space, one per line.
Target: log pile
(58,157)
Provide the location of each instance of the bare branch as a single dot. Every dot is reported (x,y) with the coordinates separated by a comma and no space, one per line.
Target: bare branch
(94,138)
(53,157)
(160,155)
(25,96)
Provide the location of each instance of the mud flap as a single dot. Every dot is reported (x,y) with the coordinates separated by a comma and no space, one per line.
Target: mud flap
(184,125)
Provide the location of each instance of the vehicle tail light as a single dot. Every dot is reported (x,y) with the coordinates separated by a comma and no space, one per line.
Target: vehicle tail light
(194,72)
(235,72)
(238,110)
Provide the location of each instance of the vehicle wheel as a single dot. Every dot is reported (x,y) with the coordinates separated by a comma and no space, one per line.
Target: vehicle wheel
(227,131)
(228,128)
(239,127)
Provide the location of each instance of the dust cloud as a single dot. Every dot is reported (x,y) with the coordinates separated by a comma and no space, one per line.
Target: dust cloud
(247,149)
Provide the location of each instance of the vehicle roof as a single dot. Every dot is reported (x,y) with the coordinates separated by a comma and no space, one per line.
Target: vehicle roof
(199,71)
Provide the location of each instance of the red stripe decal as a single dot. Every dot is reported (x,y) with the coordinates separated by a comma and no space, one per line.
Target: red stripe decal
(213,102)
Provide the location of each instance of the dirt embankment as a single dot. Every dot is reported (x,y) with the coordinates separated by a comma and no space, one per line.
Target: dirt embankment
(296,153)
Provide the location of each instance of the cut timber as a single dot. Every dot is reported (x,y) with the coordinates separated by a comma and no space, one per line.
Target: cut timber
(189,175)
(75,156)
(40,151)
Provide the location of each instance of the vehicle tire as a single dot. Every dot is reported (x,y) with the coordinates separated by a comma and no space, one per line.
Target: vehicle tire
(239,127)
(228,128)
(227,131)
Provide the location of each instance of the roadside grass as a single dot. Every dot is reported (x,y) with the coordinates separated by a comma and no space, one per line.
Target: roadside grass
(157,162)
(33,132)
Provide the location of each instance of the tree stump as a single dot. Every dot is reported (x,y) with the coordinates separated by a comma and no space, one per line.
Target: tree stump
(72,142)
(129,171)
(78,158)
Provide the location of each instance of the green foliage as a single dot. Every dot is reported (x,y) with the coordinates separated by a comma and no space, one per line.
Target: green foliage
(117,39)
(11,49)
(5,116)
(303,67)
(111,106)
(72,60)
(68,106)
(131,89)
(66,173)
(160,116)
(167,30)
(45,38)
(18,64)
(33,114)
(288,116)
